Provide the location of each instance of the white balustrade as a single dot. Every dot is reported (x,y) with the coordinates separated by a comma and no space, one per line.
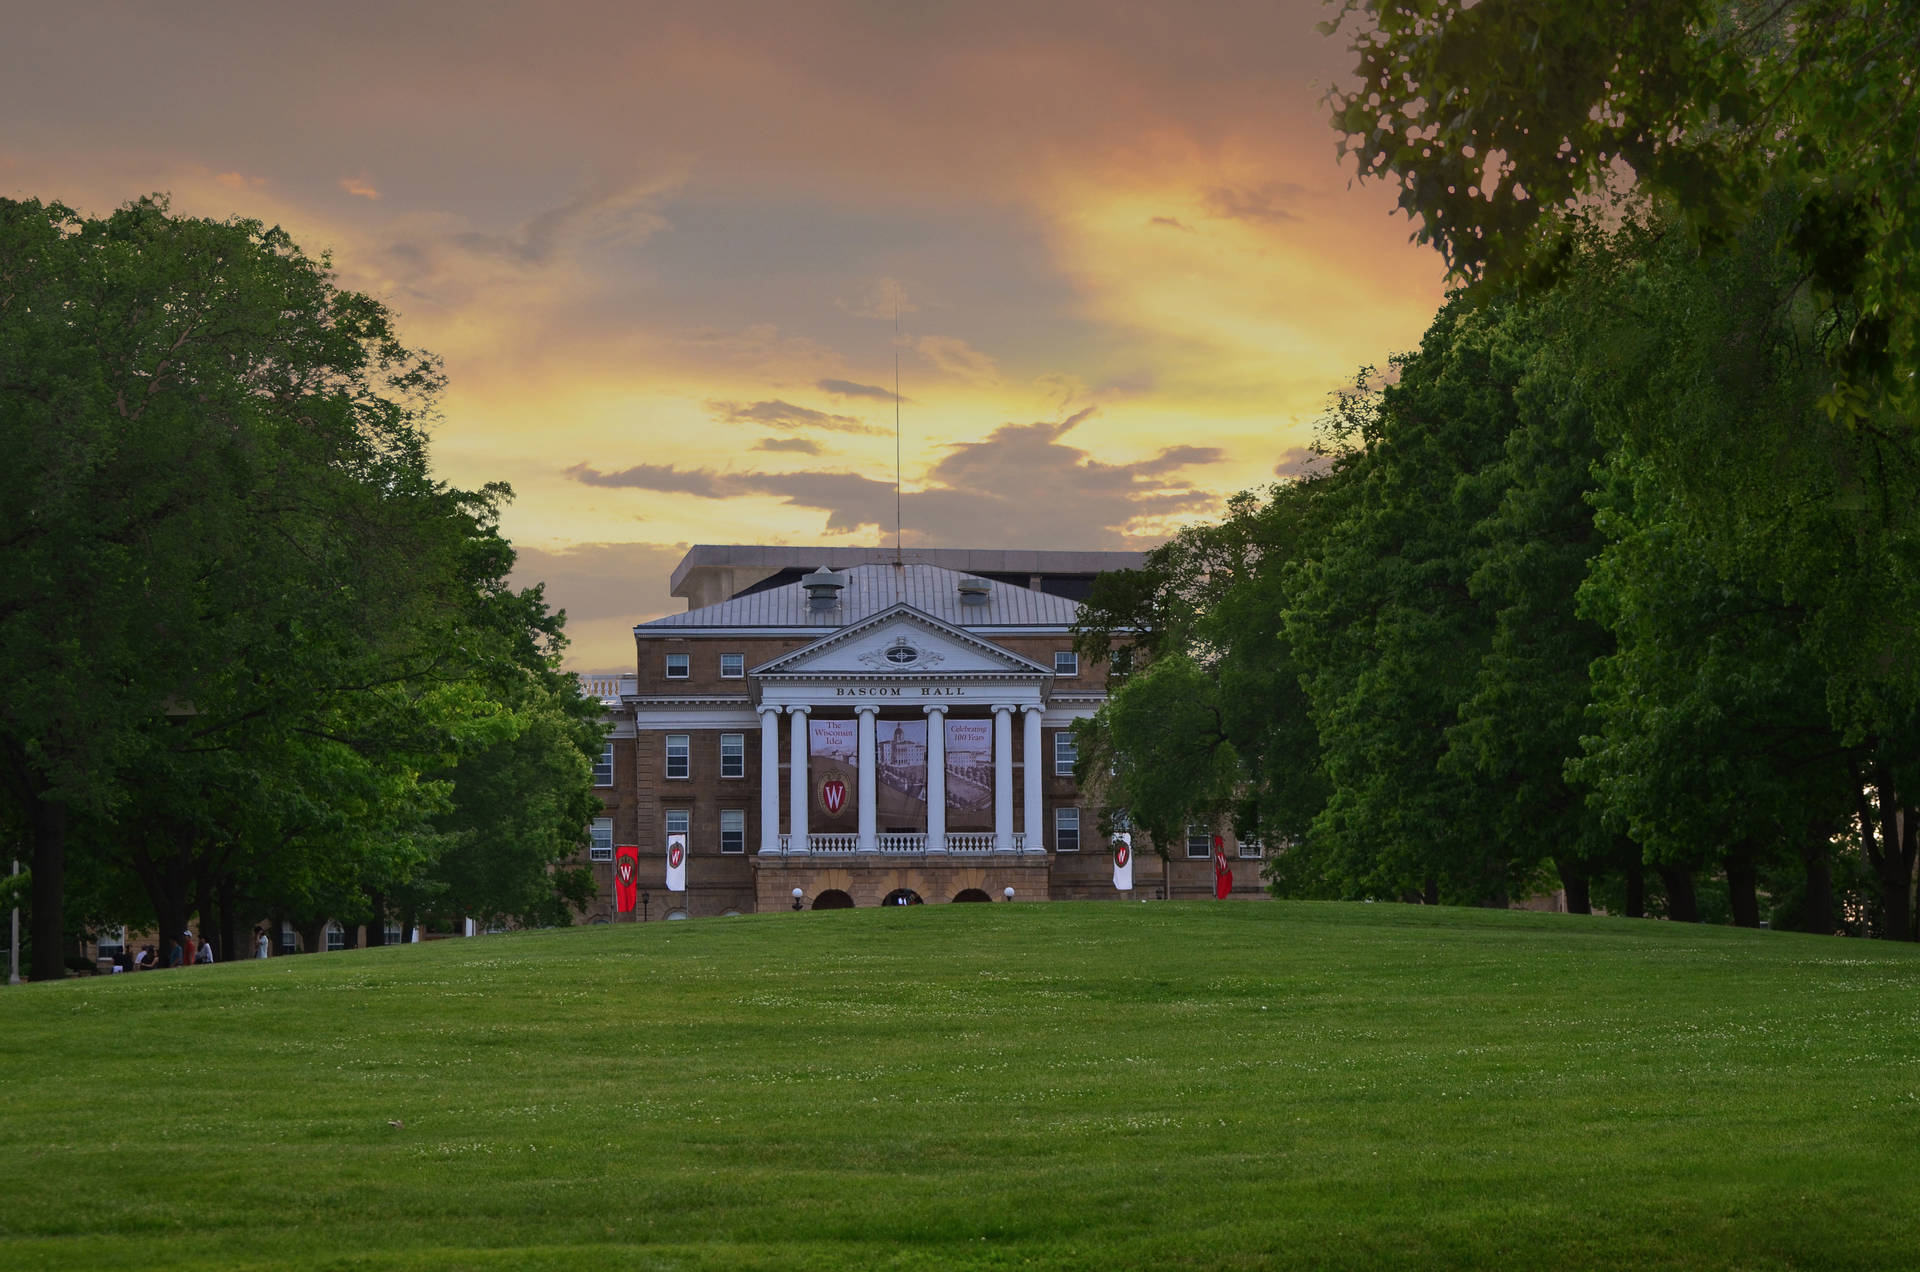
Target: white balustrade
(903,844)
(832,844)
(965,842)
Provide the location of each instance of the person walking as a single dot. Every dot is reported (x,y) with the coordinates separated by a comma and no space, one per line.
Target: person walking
(173,952)
(190,948)
(260,947)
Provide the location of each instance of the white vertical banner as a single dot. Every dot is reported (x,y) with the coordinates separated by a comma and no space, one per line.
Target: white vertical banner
(676,862)
(1123,862)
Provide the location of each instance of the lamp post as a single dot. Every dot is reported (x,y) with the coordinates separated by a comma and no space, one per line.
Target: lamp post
(797,894)
(644,898)
(1008,893)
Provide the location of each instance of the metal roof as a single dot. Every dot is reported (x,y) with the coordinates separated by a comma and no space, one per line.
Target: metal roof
(873,588)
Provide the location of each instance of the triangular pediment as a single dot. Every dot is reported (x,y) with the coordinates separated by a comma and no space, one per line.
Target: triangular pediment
(901,641)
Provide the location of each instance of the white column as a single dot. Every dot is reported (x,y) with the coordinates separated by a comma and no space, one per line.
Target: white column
(769,778)
(1034,774)
(936,778)
(797,794)
(869,781)
(1002,777)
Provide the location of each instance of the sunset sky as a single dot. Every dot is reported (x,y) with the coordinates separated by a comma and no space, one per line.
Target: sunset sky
(659,247)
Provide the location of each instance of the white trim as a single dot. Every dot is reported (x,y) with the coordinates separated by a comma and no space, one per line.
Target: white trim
(1015,663)
(679,721)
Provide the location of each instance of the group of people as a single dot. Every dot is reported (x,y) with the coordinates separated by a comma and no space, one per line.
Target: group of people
(183,950)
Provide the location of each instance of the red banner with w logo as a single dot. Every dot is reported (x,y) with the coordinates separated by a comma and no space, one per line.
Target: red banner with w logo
(626,878)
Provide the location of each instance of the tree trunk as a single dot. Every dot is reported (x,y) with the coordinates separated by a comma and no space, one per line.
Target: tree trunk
(48,890)
(1430,891)
(1743,879)
(1817,903)
(313,936)
(203,906)
(1893,863)
(1574,881)
(1682,905)
(1636,888)
(377,922)
(167,893)
(228,926)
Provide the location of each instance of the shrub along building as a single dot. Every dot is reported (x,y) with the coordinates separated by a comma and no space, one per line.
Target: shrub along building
(863,730)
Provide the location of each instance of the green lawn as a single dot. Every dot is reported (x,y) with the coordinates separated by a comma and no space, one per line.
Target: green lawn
(1070,1086)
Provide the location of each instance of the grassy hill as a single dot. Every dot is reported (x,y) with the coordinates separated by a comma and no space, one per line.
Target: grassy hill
(1070,1086)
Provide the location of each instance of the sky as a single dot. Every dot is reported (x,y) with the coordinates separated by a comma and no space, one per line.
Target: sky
(663,249)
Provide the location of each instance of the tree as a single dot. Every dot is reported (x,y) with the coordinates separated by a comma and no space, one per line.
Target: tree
(1508,124)
(246,619)
(1392,635)
(1206,721)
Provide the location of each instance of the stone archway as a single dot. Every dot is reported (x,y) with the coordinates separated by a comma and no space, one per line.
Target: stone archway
(971,894)
(903,896)
(833,899)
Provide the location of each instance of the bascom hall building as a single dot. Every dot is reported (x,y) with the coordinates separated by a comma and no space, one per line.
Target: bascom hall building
(865,727)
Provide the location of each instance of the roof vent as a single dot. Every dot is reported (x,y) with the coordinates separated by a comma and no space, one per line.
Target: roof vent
(823,588)
(974,591)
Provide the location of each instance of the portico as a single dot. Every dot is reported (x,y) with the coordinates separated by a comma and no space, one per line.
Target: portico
(901,666)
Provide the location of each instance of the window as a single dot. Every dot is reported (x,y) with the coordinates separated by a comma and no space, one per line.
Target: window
(1066,663)
(336,937)
(1066,830)
(113,941)
(733,830)
(394,936)
(678,762)
(1065,752)
(733,755)
(1249,847)
(601,847)
(677,819)
(679,666)
(1199,842)
(603,767)
(289,939)
(733,666)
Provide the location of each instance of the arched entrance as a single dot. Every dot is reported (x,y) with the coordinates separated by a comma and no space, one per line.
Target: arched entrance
(971,894)
(833,899)
(903,896)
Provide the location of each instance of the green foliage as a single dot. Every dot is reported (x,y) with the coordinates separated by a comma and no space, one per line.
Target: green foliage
(1510,124)
(1393,634)
(1206,722)
(253,633)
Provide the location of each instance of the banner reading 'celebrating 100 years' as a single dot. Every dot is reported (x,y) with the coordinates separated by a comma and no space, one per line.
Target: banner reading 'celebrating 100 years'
(969,775)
